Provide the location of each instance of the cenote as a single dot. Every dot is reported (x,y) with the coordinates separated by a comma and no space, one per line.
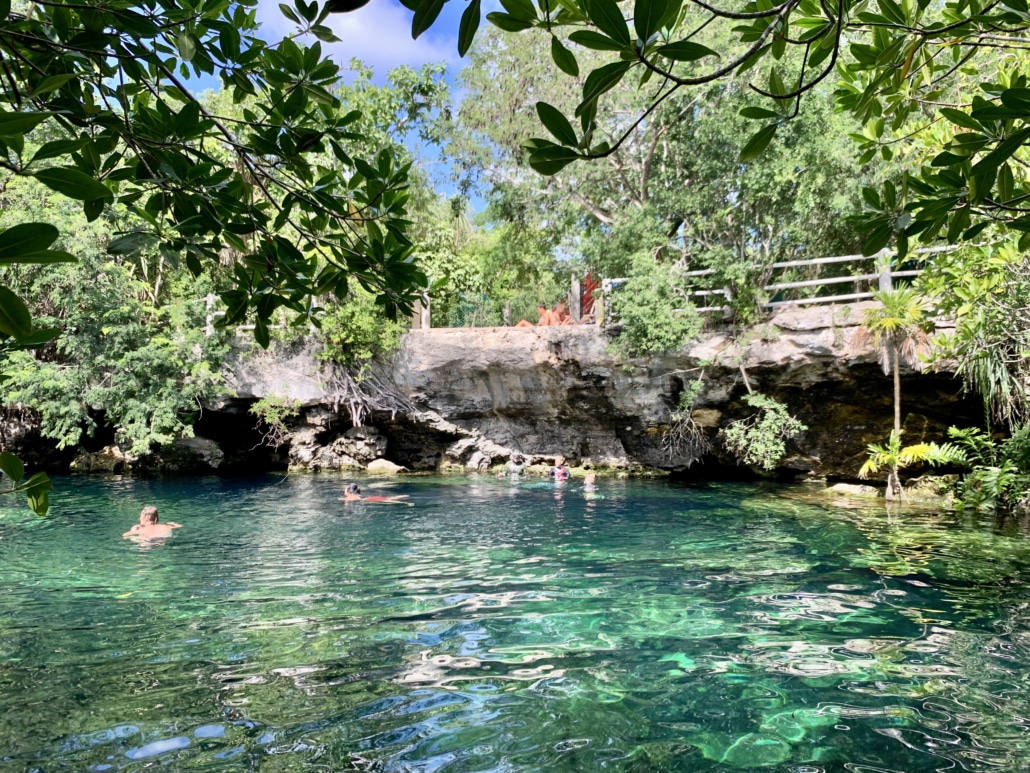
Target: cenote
(500,627)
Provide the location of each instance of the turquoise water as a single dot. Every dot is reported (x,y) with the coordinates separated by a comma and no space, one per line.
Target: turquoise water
(494,627)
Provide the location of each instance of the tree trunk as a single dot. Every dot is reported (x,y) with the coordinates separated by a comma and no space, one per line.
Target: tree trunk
(897,387)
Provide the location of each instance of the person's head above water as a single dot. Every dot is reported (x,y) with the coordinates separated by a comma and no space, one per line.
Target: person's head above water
(148,515)
(559,461)
(518,458)
(352,488)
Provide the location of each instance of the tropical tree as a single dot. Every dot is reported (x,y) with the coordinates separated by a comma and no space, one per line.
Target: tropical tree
(898,328)
(894,62)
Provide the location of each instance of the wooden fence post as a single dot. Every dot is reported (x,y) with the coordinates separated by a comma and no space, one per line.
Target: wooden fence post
(209,324)
(885,271)
(426,319)
(575,299)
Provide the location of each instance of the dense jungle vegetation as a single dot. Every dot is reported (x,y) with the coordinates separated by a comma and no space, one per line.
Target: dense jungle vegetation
(144,220)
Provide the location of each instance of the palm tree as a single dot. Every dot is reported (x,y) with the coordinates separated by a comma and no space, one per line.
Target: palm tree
(899,329)
(894,457)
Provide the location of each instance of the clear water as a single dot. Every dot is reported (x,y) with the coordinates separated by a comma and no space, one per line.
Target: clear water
(494,627)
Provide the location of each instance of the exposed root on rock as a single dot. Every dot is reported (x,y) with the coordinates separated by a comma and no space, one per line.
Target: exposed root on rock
(364,395)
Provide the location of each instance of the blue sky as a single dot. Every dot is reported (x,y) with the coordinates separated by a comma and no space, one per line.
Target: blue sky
(380,35)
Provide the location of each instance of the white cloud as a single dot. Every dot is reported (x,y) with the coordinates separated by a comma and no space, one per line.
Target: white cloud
(378,34)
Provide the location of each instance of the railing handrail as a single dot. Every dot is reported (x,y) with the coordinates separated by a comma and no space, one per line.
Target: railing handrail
(884,277)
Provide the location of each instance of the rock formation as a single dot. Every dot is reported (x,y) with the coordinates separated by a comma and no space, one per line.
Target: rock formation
(468,397)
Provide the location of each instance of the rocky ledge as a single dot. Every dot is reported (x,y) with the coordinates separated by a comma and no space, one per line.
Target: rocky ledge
(468,397)
(563,390)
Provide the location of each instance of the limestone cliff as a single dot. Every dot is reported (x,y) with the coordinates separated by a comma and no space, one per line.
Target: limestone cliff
(562,390)
(468,397)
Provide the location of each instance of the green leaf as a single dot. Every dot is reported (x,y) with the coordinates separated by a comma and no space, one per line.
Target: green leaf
(92,209)
(289,13)
(43,256)
(959,118)
(647,17)
(15,319)
(74,184)
(261,333)
(468,27)
(564,58)
(604,79)
(131,243)
(187,46)
(12,124)
(425,15)
(59,148)
(523,10)
(1001,153)
(11,466)
(758,112)
(507,23)
(551,160)
(758,142)
(605,14)
(26,238)
(38,337)
(595,41)
(37,490)
(557,124)
(53,83)
(1006,182)
(685,51)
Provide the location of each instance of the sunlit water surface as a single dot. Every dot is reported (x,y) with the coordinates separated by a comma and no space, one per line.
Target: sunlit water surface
(499,627)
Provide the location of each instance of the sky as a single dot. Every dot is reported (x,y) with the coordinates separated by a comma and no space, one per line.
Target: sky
(380,35)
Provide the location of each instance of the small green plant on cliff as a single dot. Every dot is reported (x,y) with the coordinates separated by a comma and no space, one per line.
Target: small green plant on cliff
(684,438)
(655,315)
(893,457)
(760,439)
(274,414)
(356,332)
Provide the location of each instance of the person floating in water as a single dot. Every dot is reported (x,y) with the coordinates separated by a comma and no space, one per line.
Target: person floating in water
(514,468)
(148,528)
(353,494)
(560,471)
(590,487)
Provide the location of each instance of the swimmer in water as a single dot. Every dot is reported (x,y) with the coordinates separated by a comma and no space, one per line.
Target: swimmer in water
(560,472)
(148,528)
(514,468)
(353,494)
(590,487)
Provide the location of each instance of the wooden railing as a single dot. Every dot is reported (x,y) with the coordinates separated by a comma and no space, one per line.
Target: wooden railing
(862,280)
(882,274)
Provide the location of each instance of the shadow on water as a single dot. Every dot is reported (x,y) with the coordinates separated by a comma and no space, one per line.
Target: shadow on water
(499,626)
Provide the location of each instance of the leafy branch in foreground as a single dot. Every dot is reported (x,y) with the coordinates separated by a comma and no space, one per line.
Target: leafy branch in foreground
(955,64)
(36,488)
(96,107)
